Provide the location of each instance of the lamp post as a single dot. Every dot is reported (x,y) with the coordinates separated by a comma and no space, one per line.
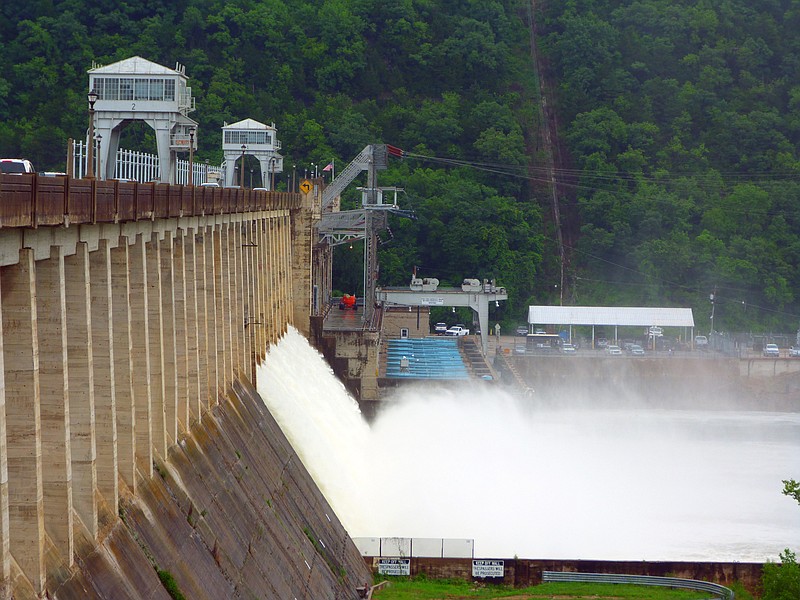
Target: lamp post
(272,174)
(92,96)
(98,143)
(294,178)
(190,178)
(713,306)
(241,171)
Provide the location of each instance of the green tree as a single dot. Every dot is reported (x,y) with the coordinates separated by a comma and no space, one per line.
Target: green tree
(791,488)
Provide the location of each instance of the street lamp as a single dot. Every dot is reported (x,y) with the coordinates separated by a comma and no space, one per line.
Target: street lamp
(241,171)
(92,96)
(98,143)
(272,173)
(190,179)
(713,305)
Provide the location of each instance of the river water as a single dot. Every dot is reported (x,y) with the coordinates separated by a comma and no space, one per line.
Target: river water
(472,461)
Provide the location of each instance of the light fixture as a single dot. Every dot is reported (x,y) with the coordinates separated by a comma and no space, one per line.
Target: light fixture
(496,304)
(92,97)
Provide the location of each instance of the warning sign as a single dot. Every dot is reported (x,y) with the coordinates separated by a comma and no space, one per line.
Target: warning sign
(394,566)
(305,186)
(488,568)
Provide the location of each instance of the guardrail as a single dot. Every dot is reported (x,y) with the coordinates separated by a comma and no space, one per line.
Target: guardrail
(676,582)
(30,200)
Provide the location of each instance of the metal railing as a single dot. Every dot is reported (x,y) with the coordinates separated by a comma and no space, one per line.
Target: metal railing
(140,166)
(719,591)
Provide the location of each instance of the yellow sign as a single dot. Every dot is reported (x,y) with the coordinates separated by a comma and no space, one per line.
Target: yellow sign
(305,186)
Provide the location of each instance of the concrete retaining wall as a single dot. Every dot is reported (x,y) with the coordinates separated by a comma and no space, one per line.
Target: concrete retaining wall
(678,381)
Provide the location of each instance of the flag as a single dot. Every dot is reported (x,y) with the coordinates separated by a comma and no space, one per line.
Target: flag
(328,167)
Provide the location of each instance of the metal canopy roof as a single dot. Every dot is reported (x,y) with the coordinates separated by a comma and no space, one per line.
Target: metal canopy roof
(610,315)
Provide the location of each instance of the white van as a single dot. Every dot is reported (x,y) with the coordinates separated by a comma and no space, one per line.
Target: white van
(16,166)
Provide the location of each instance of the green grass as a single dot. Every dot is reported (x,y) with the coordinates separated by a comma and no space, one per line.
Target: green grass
(441,589)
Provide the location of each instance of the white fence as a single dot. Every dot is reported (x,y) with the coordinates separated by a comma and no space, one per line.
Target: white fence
(416,547)
(140,166)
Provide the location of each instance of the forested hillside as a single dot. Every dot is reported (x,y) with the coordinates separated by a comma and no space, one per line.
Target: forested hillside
(440,78)
(680,119)
(683,120)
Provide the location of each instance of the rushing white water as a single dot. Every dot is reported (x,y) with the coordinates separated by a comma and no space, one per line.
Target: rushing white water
(474,462)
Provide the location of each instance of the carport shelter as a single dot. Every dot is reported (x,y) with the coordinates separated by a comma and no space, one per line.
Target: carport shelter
(610,316)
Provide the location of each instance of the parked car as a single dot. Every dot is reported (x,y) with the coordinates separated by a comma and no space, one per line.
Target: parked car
(613,350)
(635,350)
(771,350)
(457,330)
(522,330)
(210,184)
(701,342)
(601,342)
(794,352)
(568,349)
(440,328)
(16,166)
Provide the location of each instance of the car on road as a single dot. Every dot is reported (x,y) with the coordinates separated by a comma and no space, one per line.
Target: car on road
(613,350)
(457,331)
(771,350)
(635,350)
(440,328)
(16,166)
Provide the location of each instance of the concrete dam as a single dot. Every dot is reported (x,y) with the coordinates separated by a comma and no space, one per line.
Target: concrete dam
(135,453)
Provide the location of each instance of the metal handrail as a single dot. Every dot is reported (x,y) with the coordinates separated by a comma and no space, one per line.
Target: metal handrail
(676,582)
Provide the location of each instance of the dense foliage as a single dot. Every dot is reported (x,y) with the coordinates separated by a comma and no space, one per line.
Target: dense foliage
(683,121)
(681,118)
(438,77)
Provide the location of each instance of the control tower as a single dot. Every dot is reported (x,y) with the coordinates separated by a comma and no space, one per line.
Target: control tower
(251,138)
(136,89)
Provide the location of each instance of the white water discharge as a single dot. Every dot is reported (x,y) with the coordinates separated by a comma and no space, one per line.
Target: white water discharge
(474,462)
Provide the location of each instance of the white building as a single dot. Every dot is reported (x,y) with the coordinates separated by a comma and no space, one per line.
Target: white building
(136,89)
(251,138)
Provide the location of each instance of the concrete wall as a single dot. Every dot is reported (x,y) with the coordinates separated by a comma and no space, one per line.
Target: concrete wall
(596,378)
(414,318)
(127,348)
